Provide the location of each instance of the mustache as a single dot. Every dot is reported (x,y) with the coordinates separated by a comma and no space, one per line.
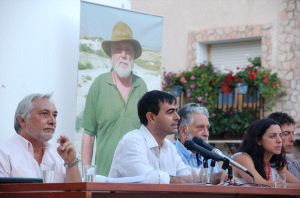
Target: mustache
(124,62)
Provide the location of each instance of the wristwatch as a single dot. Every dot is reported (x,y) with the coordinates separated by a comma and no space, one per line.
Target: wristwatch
(70,165)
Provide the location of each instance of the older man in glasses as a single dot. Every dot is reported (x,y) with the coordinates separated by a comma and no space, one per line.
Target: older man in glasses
(194,123)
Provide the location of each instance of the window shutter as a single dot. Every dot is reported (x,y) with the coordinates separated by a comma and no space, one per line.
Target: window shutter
(229,55)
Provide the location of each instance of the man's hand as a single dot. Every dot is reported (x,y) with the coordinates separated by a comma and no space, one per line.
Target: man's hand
(66,149)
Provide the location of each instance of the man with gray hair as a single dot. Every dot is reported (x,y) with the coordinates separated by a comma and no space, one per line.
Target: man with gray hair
(28,151)
(194,123)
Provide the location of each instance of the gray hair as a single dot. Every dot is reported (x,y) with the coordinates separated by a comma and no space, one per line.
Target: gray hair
(25,107)
(186,113)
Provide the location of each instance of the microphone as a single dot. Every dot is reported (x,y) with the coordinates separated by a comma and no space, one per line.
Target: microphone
(190,145)
(209,147)
(202,143)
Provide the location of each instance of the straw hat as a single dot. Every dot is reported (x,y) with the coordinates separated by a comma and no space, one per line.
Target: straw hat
(122,32)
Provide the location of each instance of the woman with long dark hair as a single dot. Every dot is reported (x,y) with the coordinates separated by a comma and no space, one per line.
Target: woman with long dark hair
(261,152)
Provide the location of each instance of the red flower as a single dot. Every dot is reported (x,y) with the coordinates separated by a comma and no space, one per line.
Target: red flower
(248,67)
(230,75)
(192,77)
(225,88)
(193,86)
(182,80)
(229,78)
(275,84)
(266,80)
(239,80)
(201,100)
(252,76)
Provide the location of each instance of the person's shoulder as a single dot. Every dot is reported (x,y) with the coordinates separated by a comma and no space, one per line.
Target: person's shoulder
(5,146)
(103,77)
(8,145)
(292,161)
(138,80)
(289,159)
(131,136)
(241,156)
(100,80)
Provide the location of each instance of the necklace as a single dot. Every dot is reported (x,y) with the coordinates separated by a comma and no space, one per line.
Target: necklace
(268,171)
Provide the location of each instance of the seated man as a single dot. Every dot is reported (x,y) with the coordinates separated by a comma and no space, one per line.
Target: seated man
(194,122)
(287,125)
(146,151)
(28,150)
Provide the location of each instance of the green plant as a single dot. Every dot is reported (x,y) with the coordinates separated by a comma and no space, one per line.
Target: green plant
(254,75)
(83,66)
(202,83)
(85,48)
(199,84)
(231,123)
(170,80)
(270,87)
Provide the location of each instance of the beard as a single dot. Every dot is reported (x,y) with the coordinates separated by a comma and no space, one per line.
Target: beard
(123,72)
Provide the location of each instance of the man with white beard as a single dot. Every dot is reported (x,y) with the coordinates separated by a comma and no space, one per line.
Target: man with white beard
(111,104)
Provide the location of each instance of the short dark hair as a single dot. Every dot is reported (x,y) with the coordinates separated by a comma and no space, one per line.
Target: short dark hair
(151,101)
(282,118)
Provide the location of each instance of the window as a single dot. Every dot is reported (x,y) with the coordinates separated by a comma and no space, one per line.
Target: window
(227,55)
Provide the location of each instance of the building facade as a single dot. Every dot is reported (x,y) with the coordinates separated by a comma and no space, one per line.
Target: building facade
(275,25)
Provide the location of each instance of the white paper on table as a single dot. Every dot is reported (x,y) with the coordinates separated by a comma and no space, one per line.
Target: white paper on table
(135,179)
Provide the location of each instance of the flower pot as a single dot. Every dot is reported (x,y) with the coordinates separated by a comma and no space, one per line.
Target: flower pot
(242,88)
(226,89)
(176,90)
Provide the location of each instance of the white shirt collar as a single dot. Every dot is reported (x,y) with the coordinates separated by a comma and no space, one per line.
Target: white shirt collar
(150,140)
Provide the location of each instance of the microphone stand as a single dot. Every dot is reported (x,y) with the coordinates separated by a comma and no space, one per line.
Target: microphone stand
(206,176)
(229,172)
(205,163)
(212,165)
(225,164)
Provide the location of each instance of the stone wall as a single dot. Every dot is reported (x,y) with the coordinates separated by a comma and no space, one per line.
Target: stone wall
(288,57)
(232,33)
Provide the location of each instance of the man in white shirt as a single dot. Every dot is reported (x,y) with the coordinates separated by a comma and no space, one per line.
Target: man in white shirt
(146,151)
(28,151)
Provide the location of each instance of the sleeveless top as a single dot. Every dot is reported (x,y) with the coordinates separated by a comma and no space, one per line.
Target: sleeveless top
(243,181)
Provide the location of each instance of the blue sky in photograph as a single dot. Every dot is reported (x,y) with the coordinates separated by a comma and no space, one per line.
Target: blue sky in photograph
(98,20)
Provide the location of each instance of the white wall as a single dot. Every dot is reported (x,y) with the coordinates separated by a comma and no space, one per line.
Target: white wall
(184,16)
(38,53)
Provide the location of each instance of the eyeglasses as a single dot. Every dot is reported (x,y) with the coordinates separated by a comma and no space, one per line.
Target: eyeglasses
(120,47)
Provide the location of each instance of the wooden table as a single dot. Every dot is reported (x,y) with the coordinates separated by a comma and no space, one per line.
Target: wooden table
(109,190)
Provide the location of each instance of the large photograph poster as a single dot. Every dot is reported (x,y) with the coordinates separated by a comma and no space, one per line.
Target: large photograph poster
(96,24)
